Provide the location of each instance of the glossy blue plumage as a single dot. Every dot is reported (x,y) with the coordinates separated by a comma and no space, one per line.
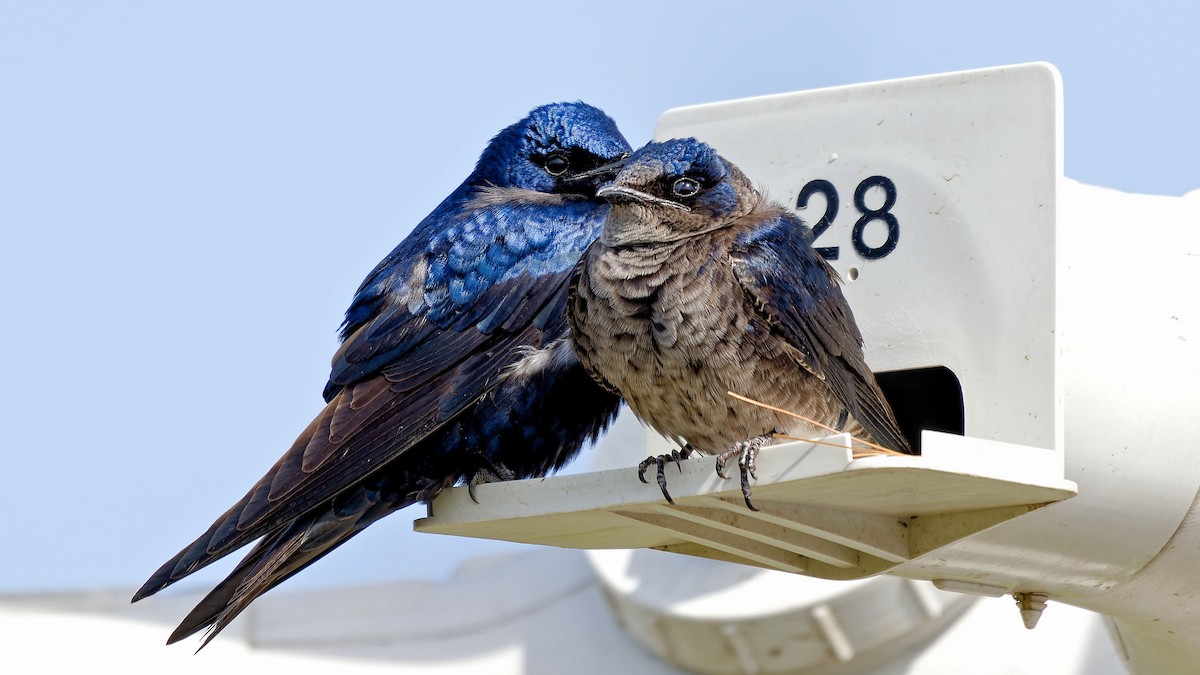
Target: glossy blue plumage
(455,361)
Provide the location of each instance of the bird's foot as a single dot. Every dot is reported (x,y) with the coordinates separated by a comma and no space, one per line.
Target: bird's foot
(490,472)
(661,461)
(746,451)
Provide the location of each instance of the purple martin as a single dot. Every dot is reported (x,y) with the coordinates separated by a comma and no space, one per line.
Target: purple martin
(699,286)
(455,365)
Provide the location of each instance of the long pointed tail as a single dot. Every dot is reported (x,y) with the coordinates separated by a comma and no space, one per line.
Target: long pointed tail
(278,556)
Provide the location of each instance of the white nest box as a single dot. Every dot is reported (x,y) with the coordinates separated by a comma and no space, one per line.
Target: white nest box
(1037,340)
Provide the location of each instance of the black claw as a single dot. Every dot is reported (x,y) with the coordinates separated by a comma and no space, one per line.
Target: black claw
(721,459)
(662,482)
(642,469)
(746,451)
(746,472)
(488,472)
(660,464)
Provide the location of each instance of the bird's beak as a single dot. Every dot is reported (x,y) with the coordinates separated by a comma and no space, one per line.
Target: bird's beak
(622,194)
(602,171)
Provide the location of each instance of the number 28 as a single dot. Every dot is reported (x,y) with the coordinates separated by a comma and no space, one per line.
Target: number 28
(883,214)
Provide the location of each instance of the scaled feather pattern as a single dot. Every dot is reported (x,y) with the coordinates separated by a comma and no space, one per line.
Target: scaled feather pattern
(699,286)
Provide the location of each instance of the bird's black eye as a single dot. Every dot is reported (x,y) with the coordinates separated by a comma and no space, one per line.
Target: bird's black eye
(556,164)
(686,187)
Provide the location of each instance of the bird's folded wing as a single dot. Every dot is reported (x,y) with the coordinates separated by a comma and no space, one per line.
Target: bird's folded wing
(426,365)
(799,293)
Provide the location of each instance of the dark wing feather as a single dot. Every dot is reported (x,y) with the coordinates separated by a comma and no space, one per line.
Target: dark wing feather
(425,368)
(277,557)
(799,293)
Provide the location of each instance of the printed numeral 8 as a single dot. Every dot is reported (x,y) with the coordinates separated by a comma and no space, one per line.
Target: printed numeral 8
(882,213)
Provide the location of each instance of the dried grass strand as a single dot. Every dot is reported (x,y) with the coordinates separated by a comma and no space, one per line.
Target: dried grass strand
(873,448)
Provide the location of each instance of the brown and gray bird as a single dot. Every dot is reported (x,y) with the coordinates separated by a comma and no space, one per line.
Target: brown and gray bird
(699,286)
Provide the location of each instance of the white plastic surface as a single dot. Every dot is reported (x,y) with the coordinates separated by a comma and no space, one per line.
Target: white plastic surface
(714,618)
(1129,544)
(537,612)
(820,512)
(1130,368)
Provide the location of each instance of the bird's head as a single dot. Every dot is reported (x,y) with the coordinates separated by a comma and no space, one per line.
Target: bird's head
(673,190)
(556,148)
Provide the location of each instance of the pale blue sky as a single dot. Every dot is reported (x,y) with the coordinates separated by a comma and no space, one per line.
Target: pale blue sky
(190,194)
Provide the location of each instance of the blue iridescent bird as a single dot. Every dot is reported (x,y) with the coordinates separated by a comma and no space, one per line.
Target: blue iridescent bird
(700,286)
(455,364)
